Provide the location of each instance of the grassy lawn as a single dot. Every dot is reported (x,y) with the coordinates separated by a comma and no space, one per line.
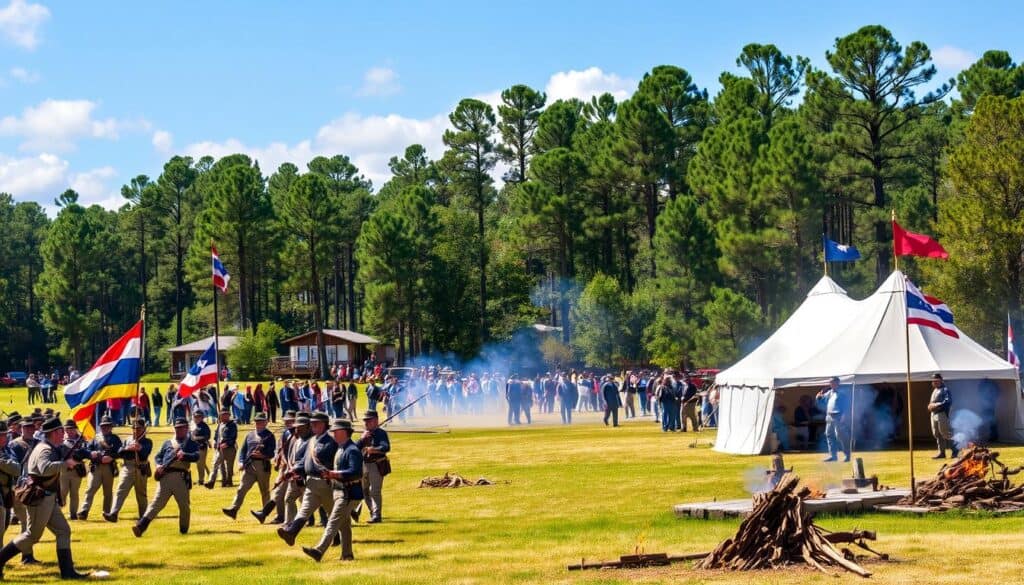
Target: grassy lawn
(583,491)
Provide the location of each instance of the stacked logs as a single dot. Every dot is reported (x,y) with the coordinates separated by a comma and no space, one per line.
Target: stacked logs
(452,480)
(780,533)
(977,480)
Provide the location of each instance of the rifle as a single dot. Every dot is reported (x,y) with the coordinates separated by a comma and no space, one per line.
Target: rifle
(400,410)
(259,448)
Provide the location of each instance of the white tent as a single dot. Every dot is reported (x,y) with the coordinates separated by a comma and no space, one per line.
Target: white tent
(861,342)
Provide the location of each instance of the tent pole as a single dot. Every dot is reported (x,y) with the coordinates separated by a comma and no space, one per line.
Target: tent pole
(853,417)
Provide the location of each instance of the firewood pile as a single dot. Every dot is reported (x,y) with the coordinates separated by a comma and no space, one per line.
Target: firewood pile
(780,533)
(975,481)
(452,480)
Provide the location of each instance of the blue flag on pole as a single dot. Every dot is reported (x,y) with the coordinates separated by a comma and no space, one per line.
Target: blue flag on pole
(836,252)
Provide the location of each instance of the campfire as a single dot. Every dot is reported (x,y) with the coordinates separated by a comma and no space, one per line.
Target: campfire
(780,533)
(452,480)
(976,481)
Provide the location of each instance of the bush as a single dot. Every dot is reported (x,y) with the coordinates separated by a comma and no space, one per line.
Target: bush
(155,378)
(250,358)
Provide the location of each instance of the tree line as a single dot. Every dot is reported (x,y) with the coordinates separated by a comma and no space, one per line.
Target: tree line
(671,227)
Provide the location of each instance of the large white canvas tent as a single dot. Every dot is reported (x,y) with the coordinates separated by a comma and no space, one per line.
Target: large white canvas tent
(861,342)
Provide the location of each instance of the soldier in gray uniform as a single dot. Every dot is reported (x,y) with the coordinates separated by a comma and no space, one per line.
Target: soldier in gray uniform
(71,479)
(21,447)
(10,469)
(375,446)
(201,434)
(43,467)
(173,478)
(938,409)
(286,473)
(135,470)
(254,462)
(347,480)
(103,451)
(319,456)
(224,441)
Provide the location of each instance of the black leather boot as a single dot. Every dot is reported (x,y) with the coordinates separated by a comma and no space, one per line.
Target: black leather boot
(7,553)
(140,527)
(288,532)
(261,515)
(67,566)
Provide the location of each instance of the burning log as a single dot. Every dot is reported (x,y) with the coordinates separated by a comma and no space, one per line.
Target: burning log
(779,533)
(977,480)
(452,480)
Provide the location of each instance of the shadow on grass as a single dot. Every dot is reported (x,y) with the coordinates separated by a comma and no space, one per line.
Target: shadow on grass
(209,531)
(414,521)
(379,541)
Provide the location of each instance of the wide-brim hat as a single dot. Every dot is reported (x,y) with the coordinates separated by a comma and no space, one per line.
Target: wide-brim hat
(180,422)
(370,414)
(260,417)
(341,424)
(320,417)
(106,422)
(199,412)
(302,421)
(51,424)
(936,376)
(224,411)
(70,424)
(14,419)
(139,424)
(290,415)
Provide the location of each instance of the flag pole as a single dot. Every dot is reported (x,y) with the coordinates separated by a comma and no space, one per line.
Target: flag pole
(910,400)
(824,253)
(142,361)
(216,329)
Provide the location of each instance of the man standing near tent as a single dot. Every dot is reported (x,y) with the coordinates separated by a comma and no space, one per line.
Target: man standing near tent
(836,420)
(938,406)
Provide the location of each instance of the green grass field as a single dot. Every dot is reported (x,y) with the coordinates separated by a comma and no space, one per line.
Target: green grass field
(576,492)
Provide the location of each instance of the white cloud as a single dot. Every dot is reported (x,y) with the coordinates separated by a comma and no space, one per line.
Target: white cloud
(586,84)
(950,57)
(55,125)
(380,82)
(163,141)
(92,185)
(23,75)
(20,22)
(34,178)
(370,141)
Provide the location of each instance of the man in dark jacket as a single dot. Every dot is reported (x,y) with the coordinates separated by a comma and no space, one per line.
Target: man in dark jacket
(610,393)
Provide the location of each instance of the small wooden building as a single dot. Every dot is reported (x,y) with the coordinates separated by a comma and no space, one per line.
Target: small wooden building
(342,347)
(184,356)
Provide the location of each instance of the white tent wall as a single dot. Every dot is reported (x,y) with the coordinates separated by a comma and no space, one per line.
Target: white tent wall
(744,418)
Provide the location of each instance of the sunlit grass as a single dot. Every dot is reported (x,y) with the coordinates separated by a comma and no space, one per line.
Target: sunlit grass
(584,491)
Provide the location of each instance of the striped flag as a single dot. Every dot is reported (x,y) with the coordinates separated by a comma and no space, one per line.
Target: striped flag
(1011,354)
(114,375)
(926,311)
(220,274)
(202,373)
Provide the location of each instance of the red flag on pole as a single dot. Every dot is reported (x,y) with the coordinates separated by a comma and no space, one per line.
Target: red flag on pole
(910,244)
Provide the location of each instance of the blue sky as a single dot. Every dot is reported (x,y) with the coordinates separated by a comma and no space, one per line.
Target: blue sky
(93,93)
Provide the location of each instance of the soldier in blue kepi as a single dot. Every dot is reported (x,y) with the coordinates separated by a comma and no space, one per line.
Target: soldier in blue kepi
(346,479)
(375,445)
(103,453)
(254,459)
(319,457)
(173,478)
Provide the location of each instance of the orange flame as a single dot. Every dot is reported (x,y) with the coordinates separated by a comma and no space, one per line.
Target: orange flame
(968,469)
(817,491)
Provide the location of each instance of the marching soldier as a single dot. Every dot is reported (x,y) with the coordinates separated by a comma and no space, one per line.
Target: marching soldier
(173,478)
(135,470)
(282,463)
(375,446)
(103,451)
(44,466)
(319,456)
(254,463)
(20,448)
(296,463)
(224,461)
(201,435)
(71,479)
(346,480)
(10,469)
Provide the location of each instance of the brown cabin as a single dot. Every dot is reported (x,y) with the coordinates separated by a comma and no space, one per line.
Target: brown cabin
(184,356)
(342,347)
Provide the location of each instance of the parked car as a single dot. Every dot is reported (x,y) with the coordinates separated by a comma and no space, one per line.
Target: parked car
(14,379)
